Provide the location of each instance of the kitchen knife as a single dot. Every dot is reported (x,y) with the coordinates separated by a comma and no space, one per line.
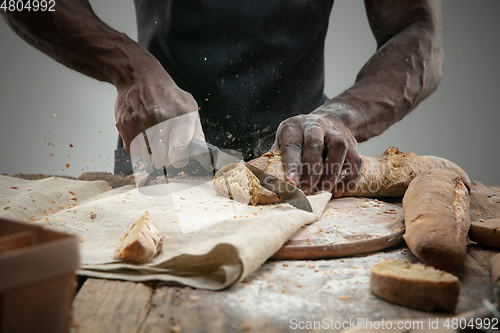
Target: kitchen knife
(288,193)
(206,159)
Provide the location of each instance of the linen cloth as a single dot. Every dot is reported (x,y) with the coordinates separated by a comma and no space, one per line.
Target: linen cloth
(210,242)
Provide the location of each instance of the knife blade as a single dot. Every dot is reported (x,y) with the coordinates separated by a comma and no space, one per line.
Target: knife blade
(204,161)
(212,158)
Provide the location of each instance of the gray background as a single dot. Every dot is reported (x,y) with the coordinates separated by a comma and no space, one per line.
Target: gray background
(46,107)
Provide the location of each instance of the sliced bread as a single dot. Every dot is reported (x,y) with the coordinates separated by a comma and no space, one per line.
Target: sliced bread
(415,285)
(140,243)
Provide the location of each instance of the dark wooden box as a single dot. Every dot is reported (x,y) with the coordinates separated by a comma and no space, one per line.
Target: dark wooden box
(37,278)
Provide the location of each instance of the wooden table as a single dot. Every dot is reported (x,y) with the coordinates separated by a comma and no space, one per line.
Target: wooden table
(281,296)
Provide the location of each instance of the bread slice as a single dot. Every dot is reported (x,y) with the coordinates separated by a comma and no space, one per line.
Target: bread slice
(415,285)
(486,232)
(237,182)
(140,243)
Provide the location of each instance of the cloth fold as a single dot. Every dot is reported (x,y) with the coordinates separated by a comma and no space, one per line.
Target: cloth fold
(210,242)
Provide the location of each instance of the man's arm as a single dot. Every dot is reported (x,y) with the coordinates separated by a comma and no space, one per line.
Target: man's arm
(74,36)
(405,69)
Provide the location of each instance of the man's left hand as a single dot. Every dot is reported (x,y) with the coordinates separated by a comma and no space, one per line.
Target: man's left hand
(317,148)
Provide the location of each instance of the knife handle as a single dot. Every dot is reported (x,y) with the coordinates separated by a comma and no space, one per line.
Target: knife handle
(203,152)
(211,157)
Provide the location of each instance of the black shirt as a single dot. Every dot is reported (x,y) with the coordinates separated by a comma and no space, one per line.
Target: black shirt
(249,64)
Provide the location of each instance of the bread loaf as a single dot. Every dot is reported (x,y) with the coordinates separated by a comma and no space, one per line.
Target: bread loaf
(415,285)
(384,175)
(237,182)
(390,173)
(486,232)
(436,210)
(140,243)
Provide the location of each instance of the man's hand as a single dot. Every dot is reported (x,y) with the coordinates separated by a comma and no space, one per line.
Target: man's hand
(404,70)
(317,148)
(150,99)
(74,36)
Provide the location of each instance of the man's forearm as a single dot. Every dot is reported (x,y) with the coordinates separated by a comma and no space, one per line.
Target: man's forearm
(74,36)
(405,70)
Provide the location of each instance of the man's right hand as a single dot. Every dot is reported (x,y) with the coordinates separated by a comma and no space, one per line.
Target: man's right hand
(150,98)
(74,36)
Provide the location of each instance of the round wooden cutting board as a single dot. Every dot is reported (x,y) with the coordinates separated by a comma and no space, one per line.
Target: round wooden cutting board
(348,226)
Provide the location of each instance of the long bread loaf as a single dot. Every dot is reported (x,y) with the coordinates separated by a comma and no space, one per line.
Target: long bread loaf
(437,220)
(390,173)
(384,175)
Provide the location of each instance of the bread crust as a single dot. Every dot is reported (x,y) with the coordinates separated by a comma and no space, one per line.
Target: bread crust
(271,162)
(140,243)
(415,285)
(436,209)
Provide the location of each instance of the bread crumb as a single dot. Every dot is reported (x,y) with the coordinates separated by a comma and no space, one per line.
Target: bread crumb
(174,329)
(14,187)
(246,327)
(344,297)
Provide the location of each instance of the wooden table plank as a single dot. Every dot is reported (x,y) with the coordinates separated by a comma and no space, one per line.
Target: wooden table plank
(485,204)
(110,306)
(334,290)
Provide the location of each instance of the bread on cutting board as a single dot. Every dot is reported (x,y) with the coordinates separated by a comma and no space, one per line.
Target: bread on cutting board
(140,243)
(237,182)
(415,285)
